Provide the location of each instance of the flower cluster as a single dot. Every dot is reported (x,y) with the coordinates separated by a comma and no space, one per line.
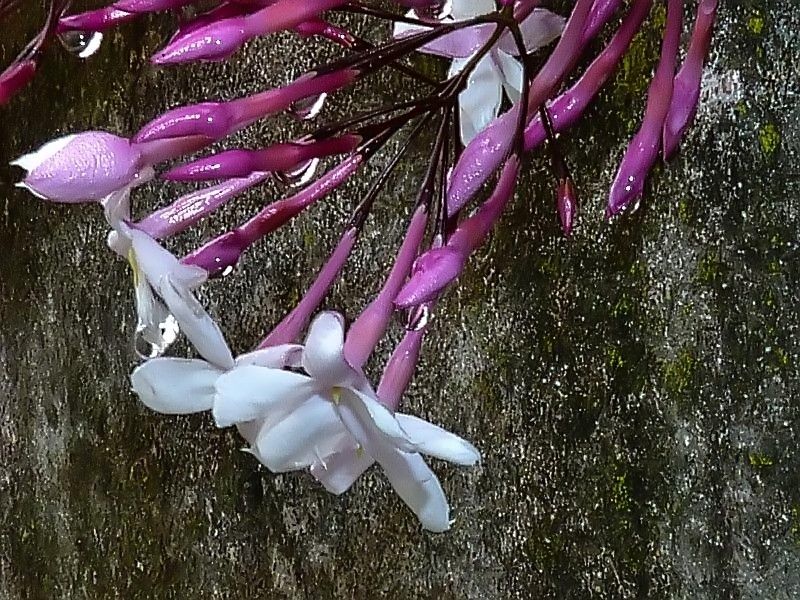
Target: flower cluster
(311,406)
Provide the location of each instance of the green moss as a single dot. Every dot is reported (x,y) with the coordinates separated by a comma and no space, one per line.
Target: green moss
(678,373)
(795,528)
(755,24)
(621,493)
(769,138)
(708,269)
(614,357)
(759,460)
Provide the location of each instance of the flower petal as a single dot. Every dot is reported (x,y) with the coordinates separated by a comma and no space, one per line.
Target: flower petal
(513,75)
(249,392)
(301,438)
(539,29)
(434,441)
(323,357)
(367,418)
(32,160)
(480,101)
(157,262)
(468,9)
(202,331)
(337,472)
(176,386)
(418,487)
(274,357)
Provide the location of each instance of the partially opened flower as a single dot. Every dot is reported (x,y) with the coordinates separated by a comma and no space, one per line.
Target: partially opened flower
(163,286)
(498,70)
(83,167)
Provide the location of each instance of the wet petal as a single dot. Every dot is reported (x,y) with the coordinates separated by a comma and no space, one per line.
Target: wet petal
(176,386)
(435,441)
(247,393)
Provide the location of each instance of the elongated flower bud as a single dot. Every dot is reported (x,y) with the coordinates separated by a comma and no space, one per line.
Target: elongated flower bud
(276,158)
(439,267)
(686,92)
(642,152)
(101,19)
(221,39)
(216,120)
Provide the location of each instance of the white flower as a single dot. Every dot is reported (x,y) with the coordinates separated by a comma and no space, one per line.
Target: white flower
(498,70)
(328,418)
(163,287)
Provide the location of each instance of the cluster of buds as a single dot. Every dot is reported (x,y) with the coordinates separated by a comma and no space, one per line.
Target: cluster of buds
(310,405)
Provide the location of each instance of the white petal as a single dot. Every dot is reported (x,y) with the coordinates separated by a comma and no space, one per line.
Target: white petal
(176,386)
(247,393)
(30,161)
(274,357)
(467,9)
(513,75)
(249,430)
(401,29)
(366,418)
(202,331)
(539,29)
(337,472)
(117,209)
(155,325)
(323,357)
(301,438)
(435,441)
(157,262)
(480,101)
(418,487)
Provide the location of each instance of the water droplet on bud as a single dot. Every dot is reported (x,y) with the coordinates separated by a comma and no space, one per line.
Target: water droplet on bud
(299,176)
(308,108)
(419,318)
(81,43)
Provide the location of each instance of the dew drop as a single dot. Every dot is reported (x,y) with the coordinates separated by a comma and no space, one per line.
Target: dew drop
(307,108)
(82,44)
(419,318)
(147,344)
(299,176)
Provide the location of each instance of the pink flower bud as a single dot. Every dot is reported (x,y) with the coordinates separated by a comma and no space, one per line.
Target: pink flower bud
(83,167)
